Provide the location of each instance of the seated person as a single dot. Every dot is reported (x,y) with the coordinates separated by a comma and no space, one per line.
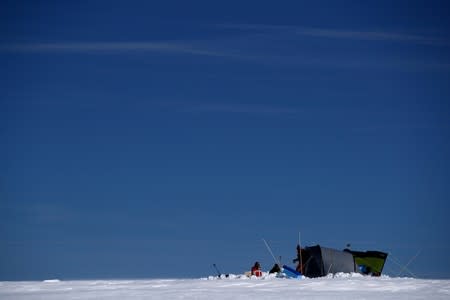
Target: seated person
(275,269)
(256,270)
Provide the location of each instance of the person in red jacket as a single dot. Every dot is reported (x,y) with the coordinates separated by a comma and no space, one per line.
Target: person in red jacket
(256,270)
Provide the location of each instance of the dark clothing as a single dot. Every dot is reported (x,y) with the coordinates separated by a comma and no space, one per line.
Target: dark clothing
(301,260)
(275,269)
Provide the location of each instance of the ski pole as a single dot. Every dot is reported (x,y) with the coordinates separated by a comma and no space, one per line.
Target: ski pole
(217,269)
(271,253)
(394,260)
(409,262)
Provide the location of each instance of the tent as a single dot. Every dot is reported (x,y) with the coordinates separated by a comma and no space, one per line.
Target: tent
(369,262)
(320,261)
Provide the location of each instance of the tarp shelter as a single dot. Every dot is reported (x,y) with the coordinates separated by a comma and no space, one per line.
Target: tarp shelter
(369,262)
(319,261)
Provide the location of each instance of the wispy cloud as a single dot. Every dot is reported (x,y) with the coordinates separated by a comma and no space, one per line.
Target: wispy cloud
(342,34)
(274,45)
(257,109)
(93,47)
(371,35)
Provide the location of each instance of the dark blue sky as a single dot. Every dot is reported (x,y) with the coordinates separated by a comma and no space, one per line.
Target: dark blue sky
(152,140)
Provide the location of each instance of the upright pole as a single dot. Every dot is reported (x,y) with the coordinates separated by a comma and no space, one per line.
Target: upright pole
(300,244)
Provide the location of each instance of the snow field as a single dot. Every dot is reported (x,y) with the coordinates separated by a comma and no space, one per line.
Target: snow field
(340,286)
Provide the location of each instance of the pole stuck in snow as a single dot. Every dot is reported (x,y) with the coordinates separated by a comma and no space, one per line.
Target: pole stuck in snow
(402,267)
(217,269)
(271,253)
(300,244)
(409,262)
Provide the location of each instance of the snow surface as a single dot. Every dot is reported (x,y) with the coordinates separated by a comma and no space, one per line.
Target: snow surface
(340,286)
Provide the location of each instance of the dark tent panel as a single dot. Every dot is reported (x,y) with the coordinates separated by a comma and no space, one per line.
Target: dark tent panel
(312,260)
(335,261)
(320,261)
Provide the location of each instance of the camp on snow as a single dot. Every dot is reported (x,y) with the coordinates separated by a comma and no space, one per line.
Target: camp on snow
(317,261)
